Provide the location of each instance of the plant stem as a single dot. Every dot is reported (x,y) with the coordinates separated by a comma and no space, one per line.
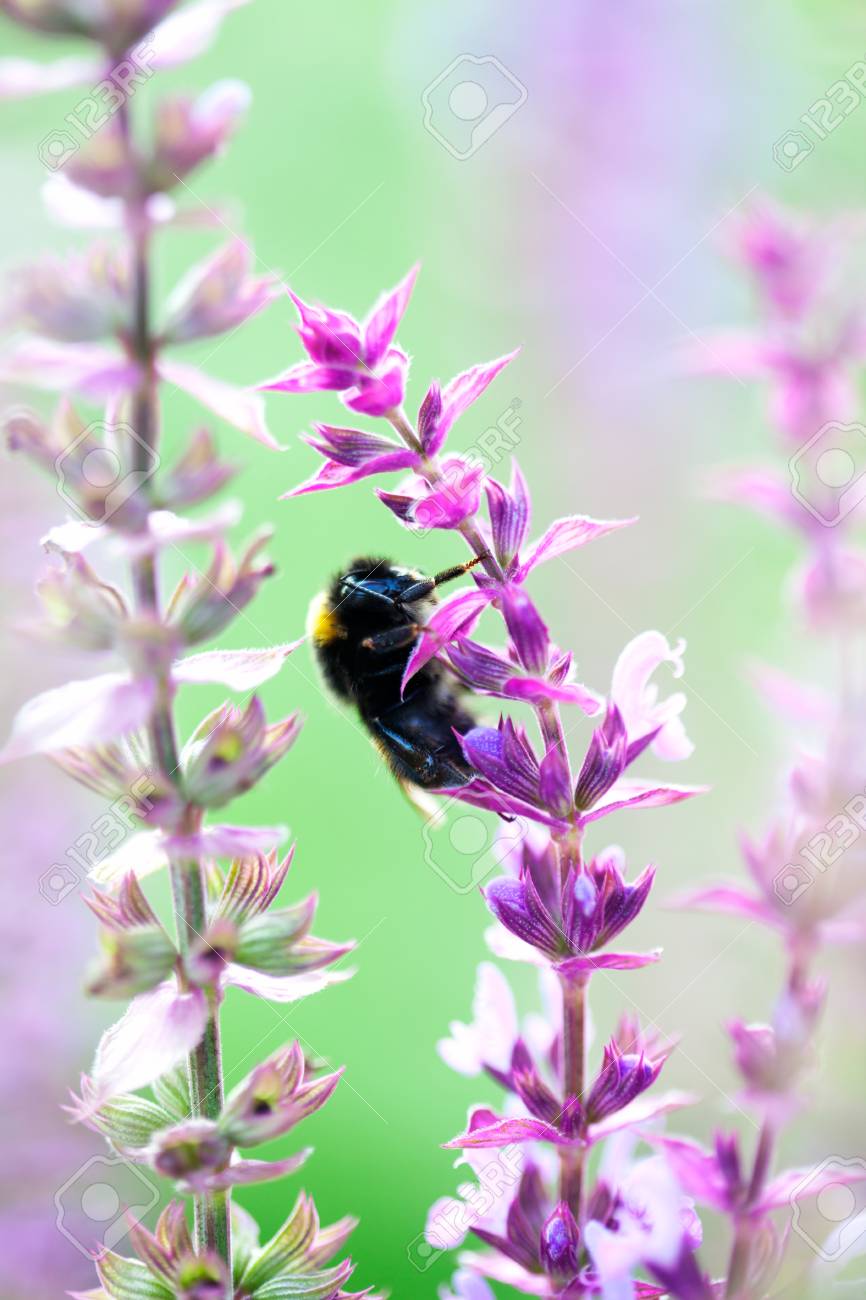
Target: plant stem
(741,1251)
(574,1084)
(212,1212)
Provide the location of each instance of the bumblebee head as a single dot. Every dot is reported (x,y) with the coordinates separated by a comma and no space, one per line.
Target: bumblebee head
(373,592)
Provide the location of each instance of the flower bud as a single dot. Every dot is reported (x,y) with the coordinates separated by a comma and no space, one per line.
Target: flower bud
(79,299)
(189,131)
(218,295)
(623,1076)
(273,1098)
(133,961)
(211,604)
(196,476)
(189,1149)
(605,760)
(231,751)
(560,1245)
(79,608)
(201,1277)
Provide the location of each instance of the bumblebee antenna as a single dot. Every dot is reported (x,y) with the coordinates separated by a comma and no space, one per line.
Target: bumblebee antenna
(447,575)
(426,585)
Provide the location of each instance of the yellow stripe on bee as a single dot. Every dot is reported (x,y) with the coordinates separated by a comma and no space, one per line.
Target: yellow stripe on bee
(323,625)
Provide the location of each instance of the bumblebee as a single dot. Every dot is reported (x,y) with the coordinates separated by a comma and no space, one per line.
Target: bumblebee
(363,629)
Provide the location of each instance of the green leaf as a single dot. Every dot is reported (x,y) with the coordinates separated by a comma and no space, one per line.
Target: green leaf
(310,1286)
(172,1092)
(127,1279)
(287,1246)
(131,1121)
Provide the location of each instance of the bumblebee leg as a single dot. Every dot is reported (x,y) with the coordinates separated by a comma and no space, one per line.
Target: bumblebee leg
(394,638)
(409,759)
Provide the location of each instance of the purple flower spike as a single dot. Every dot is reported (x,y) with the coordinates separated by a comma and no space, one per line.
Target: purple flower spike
(605,760)
(356,359)
(560,1245)
(598,904)
(622,1078)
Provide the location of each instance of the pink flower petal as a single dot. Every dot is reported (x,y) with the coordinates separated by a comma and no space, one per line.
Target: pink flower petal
(143,853)
(80,713)
(608,961)
(243,1172)
(565,535)
(381,324)
(460,614)
(628,793)
(20,78)
(157,1031)
(533,689)
(237,406)
(97,372)
(239,670)
(334,475)
(695,1168)
(166,529)
(636,696)
(732,353)
(504,1131)
(462,391)
(309,377)
(188,33)
(730,900)
(282,988)
(490,1038)
(640,1111)
(800,1184)
(226,841)
(794,700)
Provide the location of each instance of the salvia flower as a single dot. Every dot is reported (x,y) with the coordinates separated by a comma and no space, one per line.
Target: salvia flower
(231,750)
(554,907)
(360,360)
(91,326)
(217,296)
(274,1098)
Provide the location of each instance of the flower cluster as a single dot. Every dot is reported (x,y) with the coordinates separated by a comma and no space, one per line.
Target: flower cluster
(806,869)
(552,1231)
(89,326)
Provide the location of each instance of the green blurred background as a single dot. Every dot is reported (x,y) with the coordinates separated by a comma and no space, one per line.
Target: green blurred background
(586,229)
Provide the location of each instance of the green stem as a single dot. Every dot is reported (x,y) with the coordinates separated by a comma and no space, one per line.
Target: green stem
(189,894)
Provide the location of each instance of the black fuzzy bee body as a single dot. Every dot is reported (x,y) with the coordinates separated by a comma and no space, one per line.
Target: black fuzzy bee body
(364,628)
